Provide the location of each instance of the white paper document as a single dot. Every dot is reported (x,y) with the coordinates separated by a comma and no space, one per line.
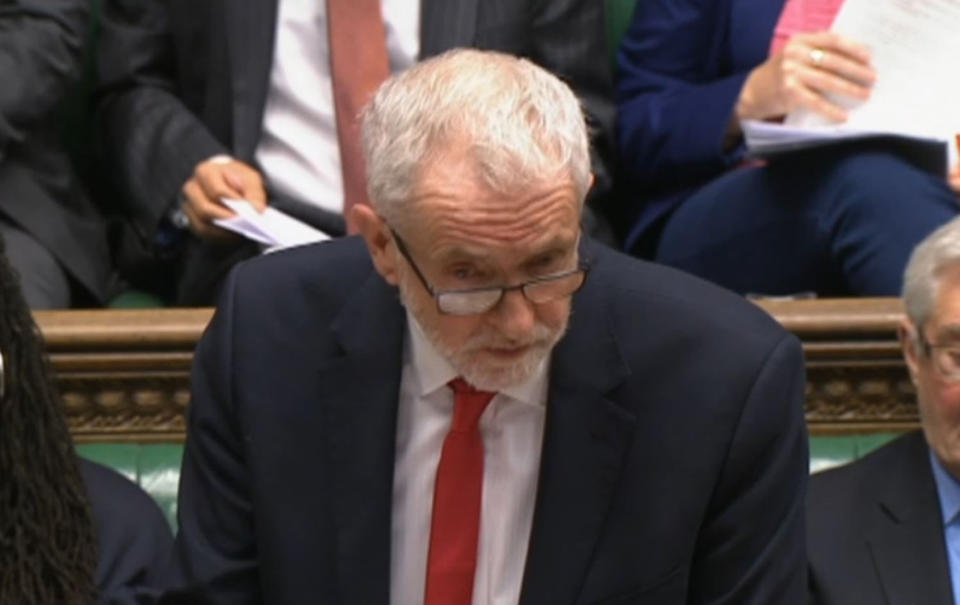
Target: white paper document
(768,140)
(916,49)
(272,228)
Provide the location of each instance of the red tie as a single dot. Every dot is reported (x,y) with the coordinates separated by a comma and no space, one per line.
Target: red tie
(359,63)
(455,528)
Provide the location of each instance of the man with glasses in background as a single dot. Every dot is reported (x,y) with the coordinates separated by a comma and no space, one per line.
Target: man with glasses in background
(886,529)
(474,403)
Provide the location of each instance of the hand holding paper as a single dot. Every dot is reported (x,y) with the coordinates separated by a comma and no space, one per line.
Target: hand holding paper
(272,228)
(915,47)
(213,179)
(804,73)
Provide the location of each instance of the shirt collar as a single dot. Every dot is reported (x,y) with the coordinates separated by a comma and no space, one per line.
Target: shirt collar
(434,371)
(948,490)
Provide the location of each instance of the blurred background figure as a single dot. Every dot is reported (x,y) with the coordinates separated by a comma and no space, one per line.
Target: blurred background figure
(54,235)
(71,531)
(257,100)
(833,222)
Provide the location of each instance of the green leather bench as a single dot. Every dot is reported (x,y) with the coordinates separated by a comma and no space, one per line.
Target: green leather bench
(156,467)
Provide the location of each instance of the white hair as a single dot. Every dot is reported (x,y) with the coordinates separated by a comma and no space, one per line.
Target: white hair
(938,252)
(521,124)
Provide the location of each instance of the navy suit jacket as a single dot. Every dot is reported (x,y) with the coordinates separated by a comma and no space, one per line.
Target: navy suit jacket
(681,66)
(674,457)
(876,530)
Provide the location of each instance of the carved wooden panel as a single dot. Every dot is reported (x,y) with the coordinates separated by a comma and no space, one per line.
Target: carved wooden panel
(125,375)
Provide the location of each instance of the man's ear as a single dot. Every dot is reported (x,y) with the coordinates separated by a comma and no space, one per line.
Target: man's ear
(376,234)
(909,343)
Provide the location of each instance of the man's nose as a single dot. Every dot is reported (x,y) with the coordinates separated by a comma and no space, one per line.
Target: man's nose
(514,315)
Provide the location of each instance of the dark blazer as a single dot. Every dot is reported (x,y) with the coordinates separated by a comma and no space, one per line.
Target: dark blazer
(875,530)
(185,80)
(674,456)
(41,44)
(681,66)
(133,536)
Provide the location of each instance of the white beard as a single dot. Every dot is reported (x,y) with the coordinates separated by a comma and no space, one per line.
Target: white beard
(468,360)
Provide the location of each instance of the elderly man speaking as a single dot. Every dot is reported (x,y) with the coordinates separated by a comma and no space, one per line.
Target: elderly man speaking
(473,403)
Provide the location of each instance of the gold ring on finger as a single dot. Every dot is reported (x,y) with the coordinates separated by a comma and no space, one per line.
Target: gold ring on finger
(817,55)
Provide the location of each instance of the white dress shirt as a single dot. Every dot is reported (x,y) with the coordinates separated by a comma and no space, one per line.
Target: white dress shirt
(298,150)
(512,430)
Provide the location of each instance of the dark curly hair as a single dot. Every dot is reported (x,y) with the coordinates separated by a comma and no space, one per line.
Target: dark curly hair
(48,547)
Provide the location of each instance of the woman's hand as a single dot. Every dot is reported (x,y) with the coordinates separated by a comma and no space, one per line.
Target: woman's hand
(802,72)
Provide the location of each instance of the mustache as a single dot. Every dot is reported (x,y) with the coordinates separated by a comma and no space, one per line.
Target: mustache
(540,336)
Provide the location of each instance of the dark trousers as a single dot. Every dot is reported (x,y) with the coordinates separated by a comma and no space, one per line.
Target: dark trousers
(43,280)
(833,223)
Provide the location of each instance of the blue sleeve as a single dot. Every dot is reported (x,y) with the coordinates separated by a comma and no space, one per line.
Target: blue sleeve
(676,92)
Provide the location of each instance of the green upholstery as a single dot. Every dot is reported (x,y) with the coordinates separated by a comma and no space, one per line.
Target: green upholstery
(619,14)
(830,451)
(135,299)
(156,466)
(153,466)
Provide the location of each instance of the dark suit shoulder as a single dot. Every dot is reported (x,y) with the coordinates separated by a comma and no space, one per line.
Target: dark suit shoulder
(133,536)
(874,528)
(334,266)
(683,303)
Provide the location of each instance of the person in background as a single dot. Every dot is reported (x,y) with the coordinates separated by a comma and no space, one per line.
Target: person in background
(258,100)
(834,222)
(886,528)
(71,531)
(476,402)
(55,236)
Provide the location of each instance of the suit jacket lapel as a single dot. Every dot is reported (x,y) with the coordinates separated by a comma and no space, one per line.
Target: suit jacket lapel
(250,27)
(585,441)
(361,443)
(445,24)
(905,534)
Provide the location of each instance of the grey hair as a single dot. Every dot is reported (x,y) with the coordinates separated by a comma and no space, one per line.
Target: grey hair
(521,123)
(921,280)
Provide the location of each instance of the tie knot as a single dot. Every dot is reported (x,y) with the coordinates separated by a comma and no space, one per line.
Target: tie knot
(468,405)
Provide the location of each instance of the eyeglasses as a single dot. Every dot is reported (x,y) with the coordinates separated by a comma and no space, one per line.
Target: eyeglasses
(945,357)
(472,301)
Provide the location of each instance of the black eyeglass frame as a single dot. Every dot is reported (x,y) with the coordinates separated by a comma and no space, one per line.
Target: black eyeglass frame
(583,268)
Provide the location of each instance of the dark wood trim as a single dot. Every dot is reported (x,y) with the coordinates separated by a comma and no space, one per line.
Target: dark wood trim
(125,374)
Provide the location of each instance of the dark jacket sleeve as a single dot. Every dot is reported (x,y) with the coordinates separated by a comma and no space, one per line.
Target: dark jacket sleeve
(751,547)
(134,538)
(675,96)
(41,43)
(150,139)
(215,553)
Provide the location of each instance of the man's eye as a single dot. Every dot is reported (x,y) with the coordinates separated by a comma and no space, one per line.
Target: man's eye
(466,274)
(547,264)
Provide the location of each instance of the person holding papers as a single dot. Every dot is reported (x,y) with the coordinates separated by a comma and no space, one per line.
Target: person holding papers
(259,99)
(837,220)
